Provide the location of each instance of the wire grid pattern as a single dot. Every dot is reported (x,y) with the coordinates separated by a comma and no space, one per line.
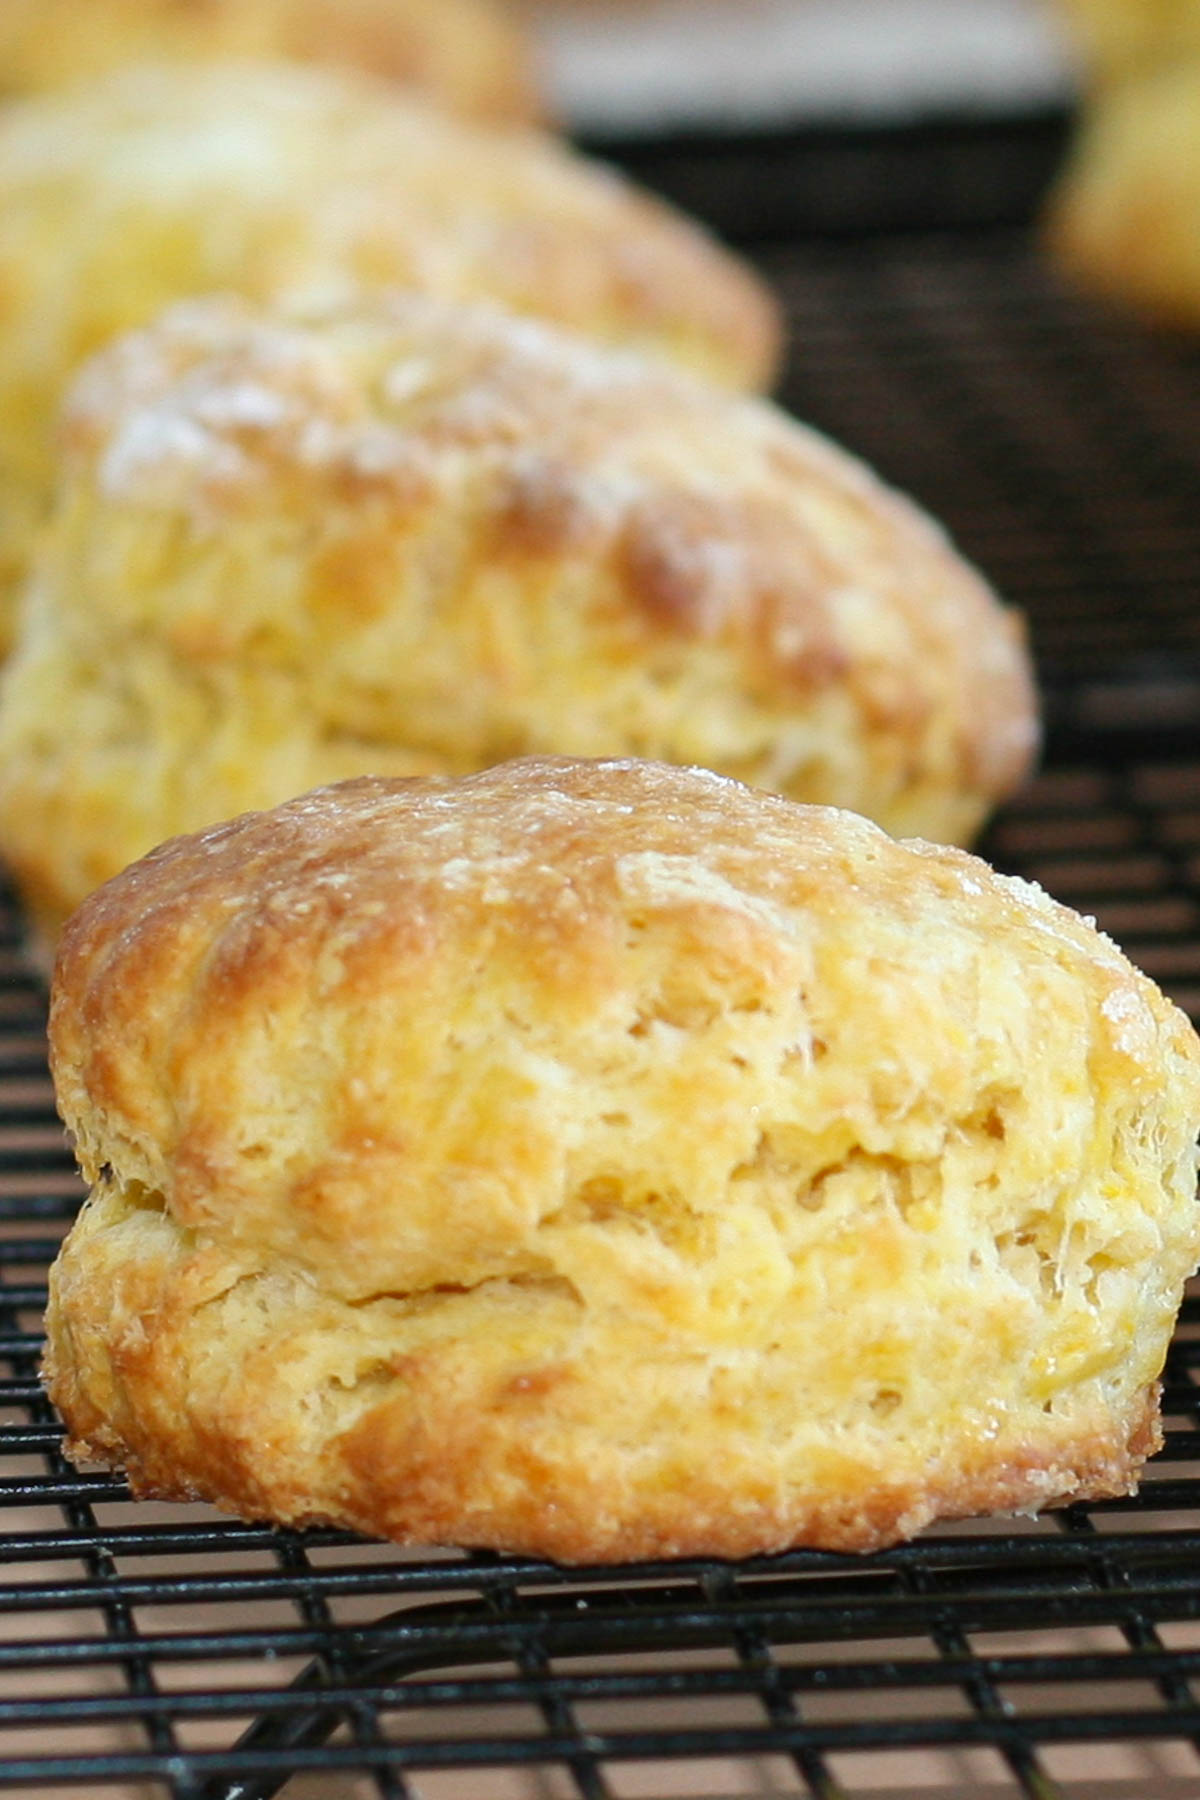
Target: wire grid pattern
(148,1651)
(1059,443)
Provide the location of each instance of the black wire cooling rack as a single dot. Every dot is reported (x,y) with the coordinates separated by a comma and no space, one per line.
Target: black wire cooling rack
(153,1652)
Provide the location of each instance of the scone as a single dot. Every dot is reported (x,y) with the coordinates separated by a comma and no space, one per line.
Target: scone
(1125,216)
(403,537)
(610,1160)
(270,180)
(1123,37)
(466,54)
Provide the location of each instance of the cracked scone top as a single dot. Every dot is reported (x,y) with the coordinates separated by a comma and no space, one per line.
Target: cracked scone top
(606,1160)
(469,55)
(403,537)
(268,180)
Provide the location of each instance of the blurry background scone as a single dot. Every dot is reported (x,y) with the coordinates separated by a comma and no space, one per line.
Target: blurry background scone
(403,536)
(270,179)
(469,55)
(1125,216)
(609,1160)
(1118,38)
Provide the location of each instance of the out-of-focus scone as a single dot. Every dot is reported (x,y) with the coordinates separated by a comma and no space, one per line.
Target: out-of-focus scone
(606,1160)
(1123,37)
(468,55)
(402,537)
(269,180)
(1124,218)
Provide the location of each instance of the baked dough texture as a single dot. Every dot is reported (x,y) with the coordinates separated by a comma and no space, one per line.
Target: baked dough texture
(269,180)
(409,538)
(468,55)
(1124,218)
(607,1160)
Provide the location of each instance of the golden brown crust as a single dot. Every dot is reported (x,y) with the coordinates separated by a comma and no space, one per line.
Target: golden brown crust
(1124,218)
(468,55)
(271,181)
(404,537)
(606,1160)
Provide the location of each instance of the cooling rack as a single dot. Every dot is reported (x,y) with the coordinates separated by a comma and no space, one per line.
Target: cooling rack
(168,1653)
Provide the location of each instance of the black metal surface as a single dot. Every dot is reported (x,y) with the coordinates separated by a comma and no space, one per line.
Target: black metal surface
(948,171)
(146,1651)
(1058,441)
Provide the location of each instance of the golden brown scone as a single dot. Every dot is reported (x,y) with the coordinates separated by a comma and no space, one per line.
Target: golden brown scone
(271,180)
(1125,216)
(1123,37)
(403,537)
(606,1160)
(468,55)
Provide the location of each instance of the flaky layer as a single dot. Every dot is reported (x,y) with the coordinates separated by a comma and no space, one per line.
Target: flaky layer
(607,1159)
(407,537)
(466,54)
(269,180)
(519,1415)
